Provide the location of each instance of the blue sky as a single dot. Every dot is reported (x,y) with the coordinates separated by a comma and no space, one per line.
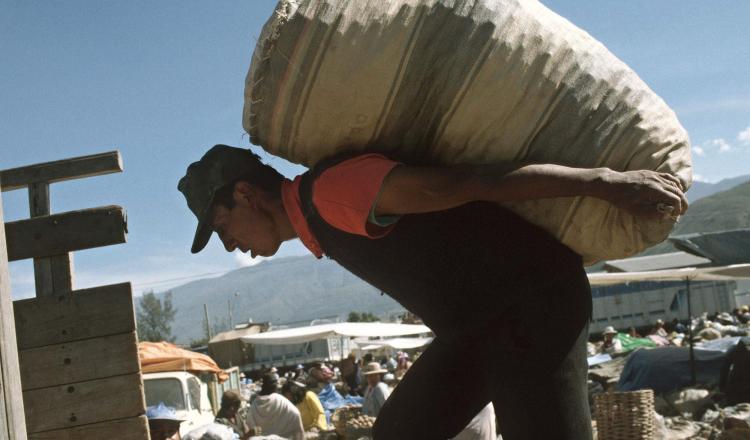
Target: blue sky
(163,81)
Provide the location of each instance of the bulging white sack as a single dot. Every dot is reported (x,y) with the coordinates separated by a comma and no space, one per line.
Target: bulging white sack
(485,81)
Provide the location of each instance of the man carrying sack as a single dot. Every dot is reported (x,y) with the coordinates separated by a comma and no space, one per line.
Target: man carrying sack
(435,239)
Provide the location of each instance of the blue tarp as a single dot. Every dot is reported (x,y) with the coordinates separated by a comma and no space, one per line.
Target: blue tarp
(665,369)
(332,400)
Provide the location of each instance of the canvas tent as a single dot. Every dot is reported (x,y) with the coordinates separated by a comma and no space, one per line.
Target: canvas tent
(720,273)
(393,343)
(687,274)
(300,335)
(159,357)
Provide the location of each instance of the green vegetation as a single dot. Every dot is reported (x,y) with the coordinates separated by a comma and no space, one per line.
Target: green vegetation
(362,317)
(722,211)
(154,317)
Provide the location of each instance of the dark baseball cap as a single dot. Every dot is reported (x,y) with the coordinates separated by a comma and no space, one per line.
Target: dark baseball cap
(220,166)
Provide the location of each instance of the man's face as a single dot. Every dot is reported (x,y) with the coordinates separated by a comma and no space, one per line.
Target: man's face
(373,379)
(249,225)
(164,429)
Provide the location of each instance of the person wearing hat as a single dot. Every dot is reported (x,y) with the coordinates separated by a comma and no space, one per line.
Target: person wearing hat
(659,329)
(376,392)
(725,318)
(610,345)
(273,413)
(232,415)
(163,423)
(435,239)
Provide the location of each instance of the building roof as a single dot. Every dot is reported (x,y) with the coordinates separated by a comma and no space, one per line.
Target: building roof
(722,248)
(238,333)
(656,262)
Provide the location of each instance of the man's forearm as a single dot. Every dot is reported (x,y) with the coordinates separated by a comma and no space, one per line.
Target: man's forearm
(412,190)
(504,183)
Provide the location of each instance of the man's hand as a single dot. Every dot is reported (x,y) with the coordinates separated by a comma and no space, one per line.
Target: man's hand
(646,194)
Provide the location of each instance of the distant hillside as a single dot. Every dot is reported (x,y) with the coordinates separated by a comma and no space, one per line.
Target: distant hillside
(700,190)
(280,290)
(722,211)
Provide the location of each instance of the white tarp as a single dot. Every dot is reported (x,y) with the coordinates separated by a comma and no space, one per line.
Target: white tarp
(300,335)
(394,343)
(721,273)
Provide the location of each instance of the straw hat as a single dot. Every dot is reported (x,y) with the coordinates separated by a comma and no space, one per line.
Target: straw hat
(609,330)
(745,308)
(726,317)
(373,368)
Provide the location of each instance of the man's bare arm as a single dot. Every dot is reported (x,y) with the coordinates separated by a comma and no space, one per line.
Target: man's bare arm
(411,190)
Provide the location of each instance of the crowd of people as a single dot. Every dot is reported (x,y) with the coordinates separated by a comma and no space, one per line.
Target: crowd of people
(704,328)
(288,404)
(301,399)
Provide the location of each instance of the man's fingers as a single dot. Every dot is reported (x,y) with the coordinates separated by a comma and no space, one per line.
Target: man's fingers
(674,187)
(673,179)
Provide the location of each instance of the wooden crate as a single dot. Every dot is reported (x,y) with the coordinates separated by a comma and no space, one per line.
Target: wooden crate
(80,372)
(77,350)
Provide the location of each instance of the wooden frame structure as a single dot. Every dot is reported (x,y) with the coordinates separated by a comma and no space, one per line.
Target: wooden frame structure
(73,353)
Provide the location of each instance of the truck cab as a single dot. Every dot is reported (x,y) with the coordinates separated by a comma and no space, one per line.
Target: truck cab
(182,391)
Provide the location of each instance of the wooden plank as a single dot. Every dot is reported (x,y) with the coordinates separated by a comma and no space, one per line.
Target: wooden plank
(83,403)
(79,361)
(61,233)
(134,428)
(53,274)
(60,170)
(39,205)
(12,424)
(84,314)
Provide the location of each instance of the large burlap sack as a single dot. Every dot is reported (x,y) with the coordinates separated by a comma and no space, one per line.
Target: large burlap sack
(485,81)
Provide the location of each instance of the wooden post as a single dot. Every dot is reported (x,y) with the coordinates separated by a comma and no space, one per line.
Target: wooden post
(53,274)
(208,323)
(12,419)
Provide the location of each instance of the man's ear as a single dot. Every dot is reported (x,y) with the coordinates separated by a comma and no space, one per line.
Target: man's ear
(245,193)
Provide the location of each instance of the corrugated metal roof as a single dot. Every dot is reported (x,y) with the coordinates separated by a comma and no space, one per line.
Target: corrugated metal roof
(656,262)
(229,335)
(722,248)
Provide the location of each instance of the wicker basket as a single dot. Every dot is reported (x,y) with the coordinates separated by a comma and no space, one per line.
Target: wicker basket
(624,415)
(341,415)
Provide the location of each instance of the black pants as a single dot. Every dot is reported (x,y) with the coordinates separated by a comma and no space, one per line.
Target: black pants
(530,362)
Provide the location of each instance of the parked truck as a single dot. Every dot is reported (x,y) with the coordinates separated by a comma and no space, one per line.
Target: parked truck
(182,391)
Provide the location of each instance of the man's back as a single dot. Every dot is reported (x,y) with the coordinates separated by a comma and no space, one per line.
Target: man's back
(274,414)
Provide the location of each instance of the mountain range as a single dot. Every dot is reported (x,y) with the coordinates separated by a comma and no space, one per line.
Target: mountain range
(285,290)
(280,291)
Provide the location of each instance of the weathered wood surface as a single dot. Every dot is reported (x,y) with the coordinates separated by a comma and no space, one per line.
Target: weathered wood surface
(79,361)
(135,428)
(12,424)
(61,233)
(84,314)
(53,274)
(60,170)
(83,403)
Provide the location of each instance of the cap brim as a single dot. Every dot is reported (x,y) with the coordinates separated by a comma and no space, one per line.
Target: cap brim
(202,235)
